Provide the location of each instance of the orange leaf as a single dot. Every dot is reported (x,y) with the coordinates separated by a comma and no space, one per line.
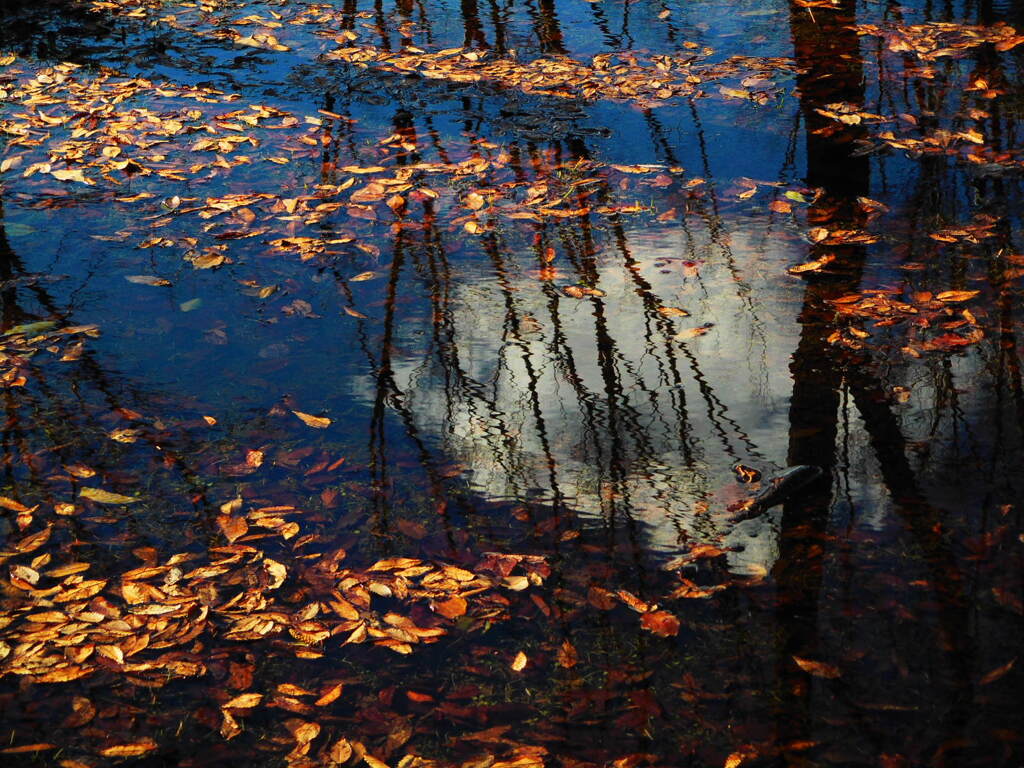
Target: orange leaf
(330,695)
(130,750)
(661,623)
(818,668)
(519,662)
(567,656)
(997,673)
(233,527)
(951,297)
(317,422)
(451,608)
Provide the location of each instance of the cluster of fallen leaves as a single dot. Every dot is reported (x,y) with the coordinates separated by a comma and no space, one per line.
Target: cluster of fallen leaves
(649,80)
(932,322)
(23,346)
(939,39)
(617,77)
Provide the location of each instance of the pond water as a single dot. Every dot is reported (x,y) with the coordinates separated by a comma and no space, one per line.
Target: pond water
(391,383)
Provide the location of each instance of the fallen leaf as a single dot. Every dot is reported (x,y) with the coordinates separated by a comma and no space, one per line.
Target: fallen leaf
(818,668)
(318,422)
(451,608)
(101,496)
(952,297)
(232,527)
(130,750)
(661,623)
(567,656)
(519,662)
(998,672)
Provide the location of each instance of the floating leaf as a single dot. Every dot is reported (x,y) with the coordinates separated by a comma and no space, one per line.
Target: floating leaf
(451,608)
(818,668)
(661,623)
(318,422)
(130,750)
(953,297)
(101,496)
(812,266)
(997,673)
(232,527)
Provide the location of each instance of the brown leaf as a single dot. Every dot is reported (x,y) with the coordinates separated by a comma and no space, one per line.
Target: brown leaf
(812,266)
(301,731)
(661,623)
(101,496)
(818,668)
(233,527)
(244,701)
(567,656)
(134,749)
(673,312)
(330,695)
(83,711)
(340,751)
(451,608)
(952,297)
(41,747)
(998,672)
(318,422)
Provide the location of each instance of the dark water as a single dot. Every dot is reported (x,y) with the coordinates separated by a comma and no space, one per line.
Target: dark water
(510,372)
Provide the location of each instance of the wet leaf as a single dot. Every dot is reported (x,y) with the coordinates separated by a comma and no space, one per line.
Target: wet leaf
(951,297)
(812,266)
(519,662)
(147,280)
(567,656)
(997,673)
(317,422)
(232,527)
(673,312)
(451,608)
(134,749)
(244,701)
(661,623)
(817,668)
(101,496)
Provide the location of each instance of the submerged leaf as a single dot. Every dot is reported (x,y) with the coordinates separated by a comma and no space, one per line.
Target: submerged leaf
(101,496)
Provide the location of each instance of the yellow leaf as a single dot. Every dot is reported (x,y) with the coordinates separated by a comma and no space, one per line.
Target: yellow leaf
(244,701)
(318,422)
(519,662)
(951,297)
(101,496)
(233,527)
(130,750)
(817,668)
